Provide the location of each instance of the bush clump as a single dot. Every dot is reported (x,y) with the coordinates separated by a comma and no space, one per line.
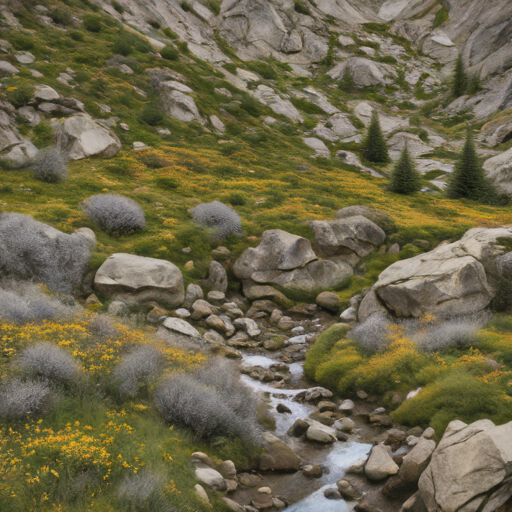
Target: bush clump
(169,53)
(143,492)
(457,396)
(140,367)
(50,362)
(211,403)
(93,23)
(22,303)
(20,93)
(50,165)
(223,220)
(21,398)
(115,214)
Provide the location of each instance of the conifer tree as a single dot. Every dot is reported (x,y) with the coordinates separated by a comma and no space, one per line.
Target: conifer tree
(347,83)
(375,148)
(405,179)
(469,180)
(460,79)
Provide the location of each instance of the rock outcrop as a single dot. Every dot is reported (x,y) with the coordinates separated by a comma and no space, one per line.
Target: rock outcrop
(81,137)
(471,469)
(499,169)
(138,280)
(454,279)
(288,261)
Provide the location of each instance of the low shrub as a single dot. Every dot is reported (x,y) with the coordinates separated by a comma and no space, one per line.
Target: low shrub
(61,16)
(302,8)
(457,396)
(218,217)
(50,362)
(337,366)
(20,93)
(237,199)
(50,165)
(93,23)
(319,352)
(152,115)
(169,53)
(167,182)
(141,367)
(211,404)
(372,334)
(21,398)
(102,328)
(115,214)
(23,303)
(143,492)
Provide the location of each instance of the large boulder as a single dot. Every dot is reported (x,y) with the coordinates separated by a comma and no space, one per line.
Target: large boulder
(31,250)
(499,169)
(470,470)
(278,251)
(289,262)
(180,106)
(365,72)
(82,137)
(356,235)
(454,279)
(138,280)
(277,456)
(380,464)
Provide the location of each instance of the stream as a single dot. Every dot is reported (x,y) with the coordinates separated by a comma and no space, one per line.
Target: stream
(335,458)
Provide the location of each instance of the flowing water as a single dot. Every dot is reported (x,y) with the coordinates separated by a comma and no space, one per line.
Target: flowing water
(337,458)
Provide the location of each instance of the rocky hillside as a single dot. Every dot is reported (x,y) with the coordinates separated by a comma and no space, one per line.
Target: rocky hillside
(189,181)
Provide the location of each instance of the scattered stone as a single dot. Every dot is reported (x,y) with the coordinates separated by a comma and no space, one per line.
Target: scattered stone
(321,150)
(344,425)
(24,57)
(349,315)
(6,68)
(178,331)
(283,409)
(263,499)
(156,315)
(332,494)
(348,491)
(232,505)
(285,323)
(203,496)
(326,406)
(139,146)
(362,395)
(329,301)
(182,313)
(347,406)
(429,433)
(380,465)
(312,471)
(45,93)
(227,469)
(194,292)
(210,477)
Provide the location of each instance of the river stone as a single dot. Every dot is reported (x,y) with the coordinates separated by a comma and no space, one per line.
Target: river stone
(470,462)
(277,456)
(313,394)
(380,465)
(247,325)
(349,491)
(312,471)
(329,301)
(356,235)
(320,433)
(210,477)
(450,280)
(140,280)
(344,425)
(203,496)
(81,137)
(227,469)
(216,297)
(347,406)
(332,494)
(178,331)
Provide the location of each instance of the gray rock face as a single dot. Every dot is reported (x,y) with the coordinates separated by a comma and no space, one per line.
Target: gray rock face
(496,132)
(279,105)
(278,250)
(336,128)
(365,72)
(31,250)
(13,147)
(82,137)
(471,469)
(499,169)
(138,280)
(350,236)
(453,279)
(180,106)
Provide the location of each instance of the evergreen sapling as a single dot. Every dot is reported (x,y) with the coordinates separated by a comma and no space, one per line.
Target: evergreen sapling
(460,79)
(405,179)
(375,148)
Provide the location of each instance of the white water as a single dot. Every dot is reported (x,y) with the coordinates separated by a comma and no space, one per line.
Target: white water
(340,458)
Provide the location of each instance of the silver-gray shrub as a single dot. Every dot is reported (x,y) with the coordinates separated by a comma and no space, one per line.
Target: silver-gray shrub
(458,331)
(207,410)
(372,334)
(50,165)
(142,366)
(221,219)
(115,214)
(33,251)
(102,328)
(143,492)
(49,361)
(20,398)
(25,302)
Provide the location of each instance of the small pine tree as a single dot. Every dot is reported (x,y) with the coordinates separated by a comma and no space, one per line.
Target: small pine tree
(460,79)
(469,180)
(475,84)
(375,148)
(405,179)
(347,83)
